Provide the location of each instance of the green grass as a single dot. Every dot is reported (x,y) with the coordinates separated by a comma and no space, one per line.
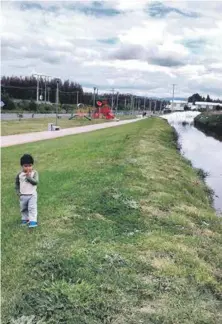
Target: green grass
(13,127)
(210,123)
(126,235)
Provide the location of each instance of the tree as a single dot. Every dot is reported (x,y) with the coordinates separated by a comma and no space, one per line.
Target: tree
(208,99)
(195,97)
(9,103)
(32,106)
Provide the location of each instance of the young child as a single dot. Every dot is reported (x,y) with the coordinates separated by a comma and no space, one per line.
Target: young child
(26,187)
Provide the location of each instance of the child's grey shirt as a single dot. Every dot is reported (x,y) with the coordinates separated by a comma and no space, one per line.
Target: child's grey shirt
(26,185)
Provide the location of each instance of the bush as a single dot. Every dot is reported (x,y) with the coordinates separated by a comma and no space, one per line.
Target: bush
(32,106)
(9,103)
(68,108)
(44,108)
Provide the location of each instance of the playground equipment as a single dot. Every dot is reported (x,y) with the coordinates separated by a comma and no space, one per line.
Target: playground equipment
(103,110)
(81,112)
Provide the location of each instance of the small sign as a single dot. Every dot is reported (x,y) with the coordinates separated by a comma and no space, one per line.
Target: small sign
(2,104)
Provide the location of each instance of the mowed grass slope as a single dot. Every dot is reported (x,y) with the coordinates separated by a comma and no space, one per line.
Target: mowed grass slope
(127,233)
(13,127)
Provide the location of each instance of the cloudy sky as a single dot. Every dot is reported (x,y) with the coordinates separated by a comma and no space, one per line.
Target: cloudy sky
(136,46)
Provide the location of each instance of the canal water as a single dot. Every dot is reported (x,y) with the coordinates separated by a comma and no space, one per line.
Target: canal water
(205,152)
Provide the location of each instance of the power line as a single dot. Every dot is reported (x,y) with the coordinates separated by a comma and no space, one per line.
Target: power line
(15,87)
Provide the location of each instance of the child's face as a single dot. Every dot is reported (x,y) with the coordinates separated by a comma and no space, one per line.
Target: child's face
(27,168)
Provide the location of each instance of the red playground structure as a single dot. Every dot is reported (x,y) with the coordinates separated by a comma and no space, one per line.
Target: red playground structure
(103,110)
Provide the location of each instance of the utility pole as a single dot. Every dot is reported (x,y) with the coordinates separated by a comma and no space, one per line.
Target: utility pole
(112,98)
(117,101)
(125,105)
(161,103)
(45,91)
(48,94)
(37,88)
(94,97)
(150,104)
(38,78)
(132,101)
(77,98)
(173,95)
(144,104)
(155,107)
(134,104)
(57,100)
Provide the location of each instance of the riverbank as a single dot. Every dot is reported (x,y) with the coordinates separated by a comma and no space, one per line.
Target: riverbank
(210,123)
(127,232)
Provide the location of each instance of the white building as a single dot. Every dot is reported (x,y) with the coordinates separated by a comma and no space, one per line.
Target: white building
(207,105)
(177,105)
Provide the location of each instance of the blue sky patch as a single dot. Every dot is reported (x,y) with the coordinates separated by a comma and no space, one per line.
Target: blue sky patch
(96,8)
(160,10)
(195,45)
(25,5)
(109,41)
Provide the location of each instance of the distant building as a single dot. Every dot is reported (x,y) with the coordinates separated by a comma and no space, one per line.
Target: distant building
(177,105)
(192,106)
(207,105)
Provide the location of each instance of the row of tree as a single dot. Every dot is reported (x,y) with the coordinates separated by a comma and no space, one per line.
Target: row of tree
(70,93)
(25,88)
(196,97)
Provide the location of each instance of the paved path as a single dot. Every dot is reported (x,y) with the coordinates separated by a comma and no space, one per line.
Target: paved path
(12,140)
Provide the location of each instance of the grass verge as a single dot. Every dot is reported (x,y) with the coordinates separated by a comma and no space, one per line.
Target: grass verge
(210,123)
(127,233)
(13,127)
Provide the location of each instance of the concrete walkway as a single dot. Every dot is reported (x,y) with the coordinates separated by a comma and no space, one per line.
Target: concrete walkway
(12,140)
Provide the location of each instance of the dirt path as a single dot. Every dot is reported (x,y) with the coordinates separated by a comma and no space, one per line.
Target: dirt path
(12,140)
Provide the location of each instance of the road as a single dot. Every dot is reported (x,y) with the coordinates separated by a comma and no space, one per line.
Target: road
(12,140)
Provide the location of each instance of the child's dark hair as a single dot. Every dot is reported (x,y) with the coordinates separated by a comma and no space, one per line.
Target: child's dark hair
(26,159)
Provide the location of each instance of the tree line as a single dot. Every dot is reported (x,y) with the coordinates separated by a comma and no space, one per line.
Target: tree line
(196,97)
(15,89)
(24,89)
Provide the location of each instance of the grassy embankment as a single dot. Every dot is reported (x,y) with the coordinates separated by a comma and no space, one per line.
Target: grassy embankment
(127,233)
(12,127)
(210,123)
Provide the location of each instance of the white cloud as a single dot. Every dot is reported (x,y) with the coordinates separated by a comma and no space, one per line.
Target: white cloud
(122,45)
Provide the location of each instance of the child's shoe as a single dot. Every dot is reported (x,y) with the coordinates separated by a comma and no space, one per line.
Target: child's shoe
(32,224)
(24,222)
